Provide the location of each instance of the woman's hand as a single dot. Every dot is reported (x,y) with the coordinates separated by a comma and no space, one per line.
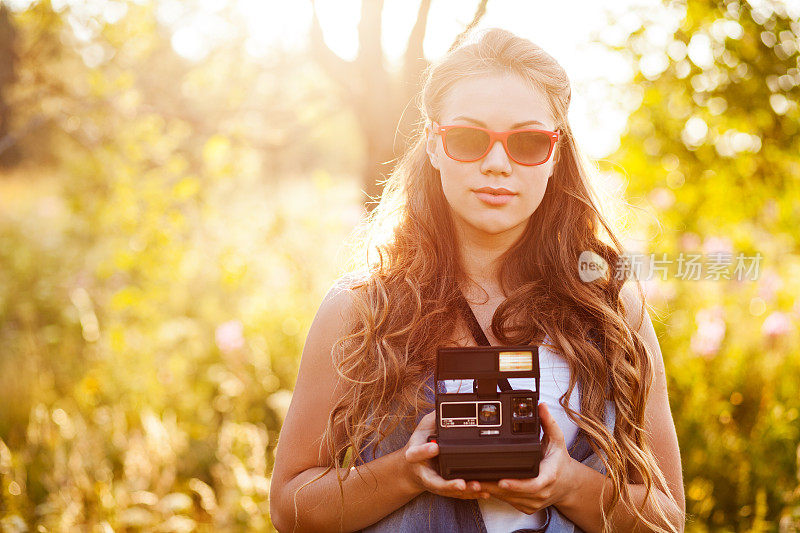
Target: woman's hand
(418,452)
(556,473)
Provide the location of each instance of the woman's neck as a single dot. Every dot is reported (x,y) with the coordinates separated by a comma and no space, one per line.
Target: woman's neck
(480,259)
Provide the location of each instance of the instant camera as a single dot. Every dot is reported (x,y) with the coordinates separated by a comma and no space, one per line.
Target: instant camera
(483,433)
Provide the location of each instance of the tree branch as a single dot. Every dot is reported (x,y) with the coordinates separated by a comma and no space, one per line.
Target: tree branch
(341,71)
(414,60)
(370,51)
(479,12)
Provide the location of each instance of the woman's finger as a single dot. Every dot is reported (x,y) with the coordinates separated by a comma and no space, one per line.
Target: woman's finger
(515,489)
(421,452)
(437,483)
(525,486)
(526,505)
(469,493)
(531,502)
(550,426)
(428,421)
(492,488)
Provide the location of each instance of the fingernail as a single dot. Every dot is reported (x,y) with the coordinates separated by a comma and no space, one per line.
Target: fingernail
(485,496)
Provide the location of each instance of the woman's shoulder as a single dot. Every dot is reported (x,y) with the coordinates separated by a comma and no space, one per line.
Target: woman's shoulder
(348,281)
(338,302)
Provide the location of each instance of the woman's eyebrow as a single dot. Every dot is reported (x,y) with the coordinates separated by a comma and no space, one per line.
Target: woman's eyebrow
(515,126)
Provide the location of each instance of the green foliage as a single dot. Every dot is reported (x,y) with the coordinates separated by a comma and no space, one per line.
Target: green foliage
(159,268)
(156,283)
(152,329)
(711,154)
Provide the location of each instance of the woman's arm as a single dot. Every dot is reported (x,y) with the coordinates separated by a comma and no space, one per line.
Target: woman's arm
(369,495)
(383,485)
(662,439)
(372,490)
(582,505)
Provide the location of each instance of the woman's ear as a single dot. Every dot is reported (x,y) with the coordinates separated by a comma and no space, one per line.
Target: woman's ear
(430,145)
(556,153)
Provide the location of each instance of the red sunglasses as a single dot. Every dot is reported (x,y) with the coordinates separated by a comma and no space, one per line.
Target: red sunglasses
(527,147)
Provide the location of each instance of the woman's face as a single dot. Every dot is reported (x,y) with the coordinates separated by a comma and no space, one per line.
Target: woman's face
(500,103)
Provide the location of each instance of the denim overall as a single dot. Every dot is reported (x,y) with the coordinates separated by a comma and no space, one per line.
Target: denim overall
(433,513)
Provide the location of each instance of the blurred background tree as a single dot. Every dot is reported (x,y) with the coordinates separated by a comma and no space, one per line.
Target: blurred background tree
(380,99)
(8,59)
(175,193)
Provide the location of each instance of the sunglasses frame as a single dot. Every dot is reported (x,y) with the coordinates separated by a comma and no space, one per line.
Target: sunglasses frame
(495,136)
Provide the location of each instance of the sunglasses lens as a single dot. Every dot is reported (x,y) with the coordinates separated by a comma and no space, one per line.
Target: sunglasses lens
(529,147)
(466,143)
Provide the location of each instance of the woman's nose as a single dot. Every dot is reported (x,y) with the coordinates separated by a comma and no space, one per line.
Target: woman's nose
(496,160)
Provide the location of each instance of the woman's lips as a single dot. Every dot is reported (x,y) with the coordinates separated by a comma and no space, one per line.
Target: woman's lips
(494,199)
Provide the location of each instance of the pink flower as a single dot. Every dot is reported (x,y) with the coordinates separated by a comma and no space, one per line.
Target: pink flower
(769,284)
(229,336)
(657,290)
(718,244)
(662,198)
(777,324)
(690,242)
(710,331)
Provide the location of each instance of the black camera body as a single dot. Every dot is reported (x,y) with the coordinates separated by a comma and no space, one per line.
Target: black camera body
(483,433)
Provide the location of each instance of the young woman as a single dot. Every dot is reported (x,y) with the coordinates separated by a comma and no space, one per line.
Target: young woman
(489,212)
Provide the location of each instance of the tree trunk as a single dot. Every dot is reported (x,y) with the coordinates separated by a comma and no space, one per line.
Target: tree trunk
(382,101)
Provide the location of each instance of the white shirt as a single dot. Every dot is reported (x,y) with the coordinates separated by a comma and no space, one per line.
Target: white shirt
(499,516)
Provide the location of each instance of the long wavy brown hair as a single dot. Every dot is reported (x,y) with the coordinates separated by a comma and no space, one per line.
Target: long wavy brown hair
(405,300)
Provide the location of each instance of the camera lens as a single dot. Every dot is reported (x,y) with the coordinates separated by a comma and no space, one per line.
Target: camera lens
(488,413)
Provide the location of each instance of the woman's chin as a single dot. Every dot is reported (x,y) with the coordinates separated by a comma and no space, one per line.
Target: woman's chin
(493,227)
